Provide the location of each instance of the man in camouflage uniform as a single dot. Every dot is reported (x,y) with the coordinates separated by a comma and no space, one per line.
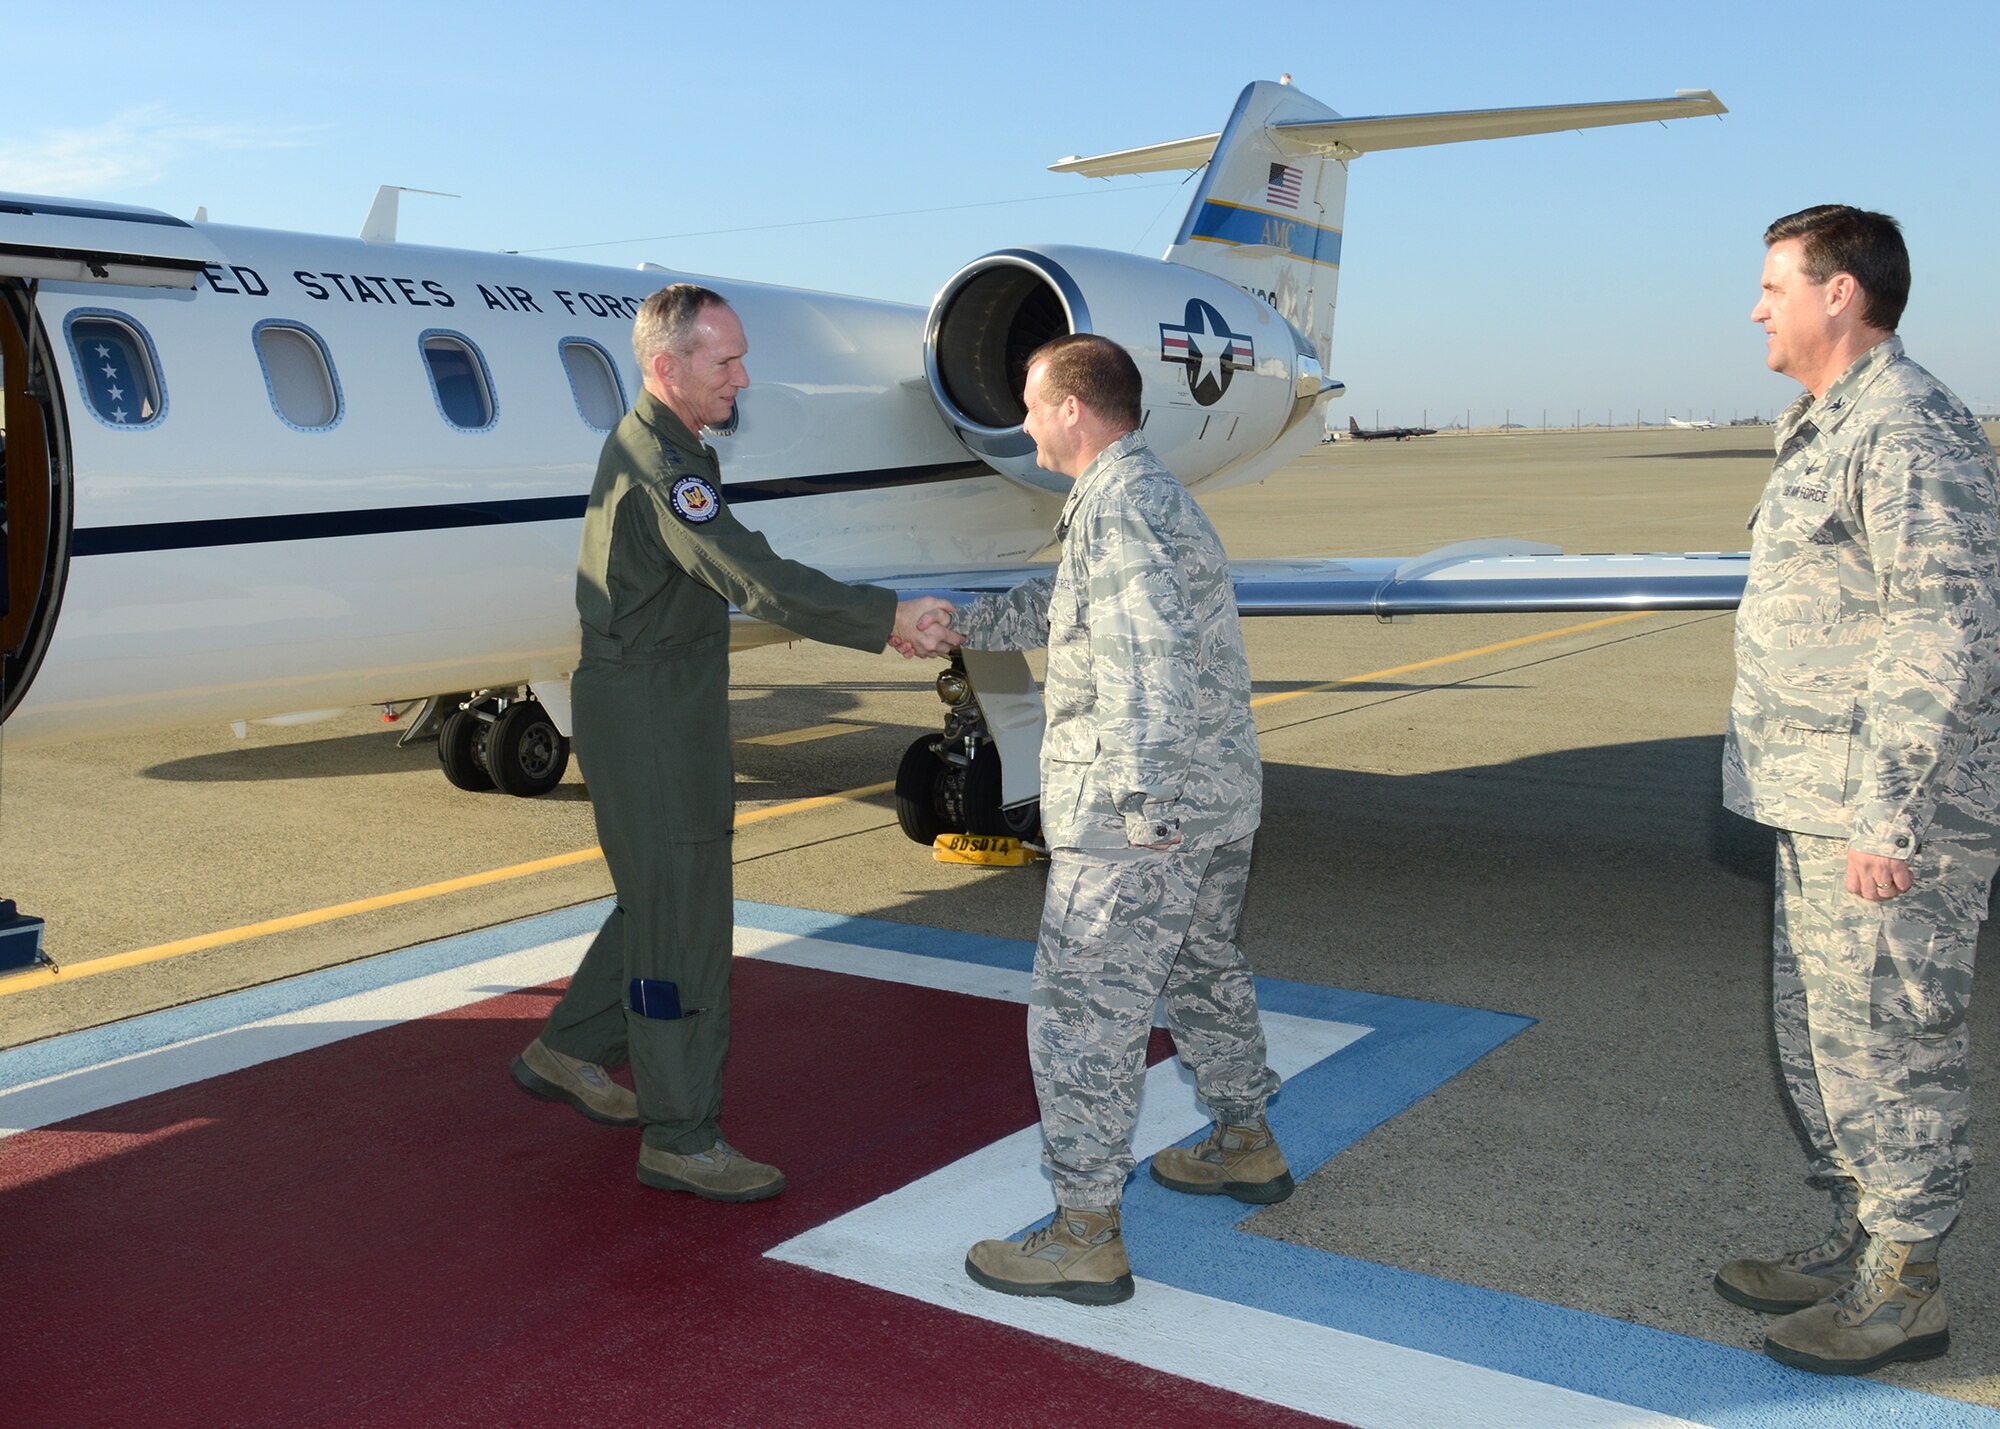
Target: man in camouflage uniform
(1865,728)
(663,559)
(1151,788)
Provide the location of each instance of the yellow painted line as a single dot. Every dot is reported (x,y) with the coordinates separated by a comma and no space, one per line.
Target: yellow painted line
(802,736)
(43,977)
(799,806)
(1273,699)
(139,957)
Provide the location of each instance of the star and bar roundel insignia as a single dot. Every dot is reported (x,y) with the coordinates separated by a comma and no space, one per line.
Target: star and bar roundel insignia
(1204,344)
(694,500)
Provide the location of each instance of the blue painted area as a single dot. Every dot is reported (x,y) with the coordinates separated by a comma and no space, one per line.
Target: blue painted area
(1226,223)
(138,1035)
(1413,1048)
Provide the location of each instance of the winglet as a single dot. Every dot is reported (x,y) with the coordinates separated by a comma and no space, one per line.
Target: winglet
(380,225)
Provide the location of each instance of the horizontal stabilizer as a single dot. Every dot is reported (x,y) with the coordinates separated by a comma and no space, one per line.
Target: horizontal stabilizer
(1348,138)
(1152,159)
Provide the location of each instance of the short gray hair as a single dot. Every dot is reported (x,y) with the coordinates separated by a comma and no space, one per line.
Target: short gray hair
(667,320)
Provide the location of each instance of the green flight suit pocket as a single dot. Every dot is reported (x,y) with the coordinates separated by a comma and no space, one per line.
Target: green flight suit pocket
(658,726)
(690,752)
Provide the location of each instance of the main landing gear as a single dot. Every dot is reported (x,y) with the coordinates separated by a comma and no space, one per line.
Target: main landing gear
(487,740)
(950,783)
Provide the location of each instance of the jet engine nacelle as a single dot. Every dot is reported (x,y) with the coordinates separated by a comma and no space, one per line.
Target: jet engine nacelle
(1224,374)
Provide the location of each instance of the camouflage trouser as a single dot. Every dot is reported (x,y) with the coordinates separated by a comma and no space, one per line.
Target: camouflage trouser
(1869,1002)
(1120,929)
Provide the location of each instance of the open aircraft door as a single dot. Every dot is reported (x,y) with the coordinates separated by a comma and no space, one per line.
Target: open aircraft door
(61,241)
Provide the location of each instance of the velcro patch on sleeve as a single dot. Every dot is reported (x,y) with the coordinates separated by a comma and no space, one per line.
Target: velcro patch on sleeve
(694,500)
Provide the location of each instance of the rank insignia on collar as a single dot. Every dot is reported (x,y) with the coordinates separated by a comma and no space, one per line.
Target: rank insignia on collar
(694,500)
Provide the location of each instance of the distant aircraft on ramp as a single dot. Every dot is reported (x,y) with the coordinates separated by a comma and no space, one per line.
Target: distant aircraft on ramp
(1703,425)
(1359,433)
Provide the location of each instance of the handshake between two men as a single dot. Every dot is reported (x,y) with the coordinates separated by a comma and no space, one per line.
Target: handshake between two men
(923,627)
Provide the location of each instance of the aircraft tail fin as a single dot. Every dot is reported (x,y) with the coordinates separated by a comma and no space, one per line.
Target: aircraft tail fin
(1353,427)
(1267,215)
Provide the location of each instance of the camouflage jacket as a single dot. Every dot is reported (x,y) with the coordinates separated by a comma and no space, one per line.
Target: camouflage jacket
(1868,642)
(1150,736)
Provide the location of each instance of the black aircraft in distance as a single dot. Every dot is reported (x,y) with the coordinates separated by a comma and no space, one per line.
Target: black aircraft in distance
(1359,433)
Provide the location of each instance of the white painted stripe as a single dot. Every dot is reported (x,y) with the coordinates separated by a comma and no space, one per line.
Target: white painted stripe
(183,1045)
(913,1242)
(170,1057)
(215,1052)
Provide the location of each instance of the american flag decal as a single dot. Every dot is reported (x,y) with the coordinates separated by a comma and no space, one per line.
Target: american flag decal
(1285,185)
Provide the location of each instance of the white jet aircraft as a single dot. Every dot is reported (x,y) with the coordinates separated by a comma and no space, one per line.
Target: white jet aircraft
(254,474)
(1704,425)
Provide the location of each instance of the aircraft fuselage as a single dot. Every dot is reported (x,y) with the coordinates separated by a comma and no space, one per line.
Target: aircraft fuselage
(219,560)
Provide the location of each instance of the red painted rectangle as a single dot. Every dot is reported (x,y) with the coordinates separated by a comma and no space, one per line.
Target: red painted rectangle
(386,1231)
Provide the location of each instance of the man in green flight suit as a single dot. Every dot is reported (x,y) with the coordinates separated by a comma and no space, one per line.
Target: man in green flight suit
(663,559)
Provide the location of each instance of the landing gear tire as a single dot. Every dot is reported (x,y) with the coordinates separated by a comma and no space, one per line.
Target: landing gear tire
(921,809)
(525,753)
(983,814)
(462,740)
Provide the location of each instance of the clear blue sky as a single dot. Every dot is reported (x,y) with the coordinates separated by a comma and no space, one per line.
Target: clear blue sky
(1603,272)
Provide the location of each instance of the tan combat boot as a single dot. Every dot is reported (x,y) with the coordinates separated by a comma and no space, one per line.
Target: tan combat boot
(541,1071)
(1893,1309)
(721,1173)
(1804,1277)
(1079,1256)
(1239,1161)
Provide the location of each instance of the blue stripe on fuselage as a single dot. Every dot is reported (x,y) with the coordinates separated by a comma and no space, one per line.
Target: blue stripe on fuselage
(1220,222)
(326,525)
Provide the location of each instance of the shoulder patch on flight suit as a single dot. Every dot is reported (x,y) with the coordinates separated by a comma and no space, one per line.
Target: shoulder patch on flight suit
(694,500)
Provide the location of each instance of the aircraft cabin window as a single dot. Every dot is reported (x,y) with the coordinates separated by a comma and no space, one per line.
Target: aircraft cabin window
(118,372)
(458,378)
(299,375)
(593,381)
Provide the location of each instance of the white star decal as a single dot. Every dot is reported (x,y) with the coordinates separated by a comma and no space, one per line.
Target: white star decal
(118,414)
(109,370)
(117,394)
(1210,354)
(103,351)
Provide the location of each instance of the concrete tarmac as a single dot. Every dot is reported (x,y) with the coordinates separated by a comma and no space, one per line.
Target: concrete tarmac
(1518,813)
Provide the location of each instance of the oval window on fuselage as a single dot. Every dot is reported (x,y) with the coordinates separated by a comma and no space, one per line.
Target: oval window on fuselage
(459,381)
(593,381)
(116,369)
(299,375)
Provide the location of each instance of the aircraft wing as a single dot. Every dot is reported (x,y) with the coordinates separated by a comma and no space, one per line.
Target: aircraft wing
(1469,577)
